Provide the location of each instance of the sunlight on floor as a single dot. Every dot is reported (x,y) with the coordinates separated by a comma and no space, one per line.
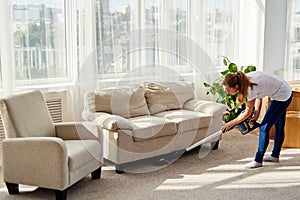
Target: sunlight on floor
(236,176)
(195,181)
(289,168)
(282,158)
(227,168)
(267,180)
(290,151)
(22,188)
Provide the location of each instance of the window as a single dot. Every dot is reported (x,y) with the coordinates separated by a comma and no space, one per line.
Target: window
(51,39)
(39,39)
(117,21)
(113,26)
(292,62)
(219,27)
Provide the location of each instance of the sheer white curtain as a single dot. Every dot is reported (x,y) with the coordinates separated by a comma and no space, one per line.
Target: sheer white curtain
(82,52)
(6,48)
(249,32)
(292,56)
(211,30)
(165,39)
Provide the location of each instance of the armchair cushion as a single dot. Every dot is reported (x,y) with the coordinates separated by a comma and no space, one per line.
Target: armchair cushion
(81,152)
(26,107)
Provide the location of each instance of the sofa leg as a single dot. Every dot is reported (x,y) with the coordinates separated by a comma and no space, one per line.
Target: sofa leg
(61,195)
(215,145)
(96,174)
(120,168)
(12,188)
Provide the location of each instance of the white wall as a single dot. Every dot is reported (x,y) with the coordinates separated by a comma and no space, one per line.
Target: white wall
(275,35)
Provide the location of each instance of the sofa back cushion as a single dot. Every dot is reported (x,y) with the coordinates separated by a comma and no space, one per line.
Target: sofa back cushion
(163,96)
(126,101)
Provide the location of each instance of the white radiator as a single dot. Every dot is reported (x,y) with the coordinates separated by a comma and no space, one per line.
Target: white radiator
(55,109)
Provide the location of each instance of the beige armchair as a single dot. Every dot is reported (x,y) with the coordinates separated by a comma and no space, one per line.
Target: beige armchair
(40,153)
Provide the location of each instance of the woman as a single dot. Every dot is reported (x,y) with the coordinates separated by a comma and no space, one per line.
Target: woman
(252,88)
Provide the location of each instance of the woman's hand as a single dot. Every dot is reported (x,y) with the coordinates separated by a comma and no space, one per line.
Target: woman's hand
(226,127)
(255,116)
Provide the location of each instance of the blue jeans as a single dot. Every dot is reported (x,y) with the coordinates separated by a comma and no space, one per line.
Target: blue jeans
(276,114)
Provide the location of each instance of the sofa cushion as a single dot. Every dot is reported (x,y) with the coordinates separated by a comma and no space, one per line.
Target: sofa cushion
(149,127)
(208,107)
(162,96)
(186,120)
(126,102)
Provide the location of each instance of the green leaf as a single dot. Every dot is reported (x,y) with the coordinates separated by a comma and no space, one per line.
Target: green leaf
(226,117)
(224,72)
(206,84)
(250,68)
(232,67)
(225,61)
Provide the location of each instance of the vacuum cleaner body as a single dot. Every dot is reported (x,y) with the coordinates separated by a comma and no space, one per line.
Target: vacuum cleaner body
(248,125)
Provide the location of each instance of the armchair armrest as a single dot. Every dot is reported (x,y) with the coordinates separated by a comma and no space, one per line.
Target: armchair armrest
(208,107)
(77,131)
(40,161)
(113,122)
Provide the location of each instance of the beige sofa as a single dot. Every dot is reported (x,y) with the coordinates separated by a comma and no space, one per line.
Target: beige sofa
(152,119)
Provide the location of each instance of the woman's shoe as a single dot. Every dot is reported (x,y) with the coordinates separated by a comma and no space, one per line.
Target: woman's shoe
(253,164)
(271,159)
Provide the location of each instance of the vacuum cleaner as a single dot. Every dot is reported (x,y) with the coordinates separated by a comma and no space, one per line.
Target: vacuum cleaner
(247,125)
(244,127)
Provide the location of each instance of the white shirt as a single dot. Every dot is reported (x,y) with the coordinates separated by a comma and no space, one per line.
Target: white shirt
(268,85)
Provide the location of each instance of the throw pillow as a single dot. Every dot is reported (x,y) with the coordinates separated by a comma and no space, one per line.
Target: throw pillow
(163,96)
(126,101)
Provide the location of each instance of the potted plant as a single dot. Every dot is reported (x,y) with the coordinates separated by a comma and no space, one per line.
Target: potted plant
(216,88)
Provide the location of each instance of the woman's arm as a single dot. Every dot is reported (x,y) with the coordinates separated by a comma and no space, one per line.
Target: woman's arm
(258,103)
(249,107)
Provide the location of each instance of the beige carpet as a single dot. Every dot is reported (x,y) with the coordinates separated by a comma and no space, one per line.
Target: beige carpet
(218,175)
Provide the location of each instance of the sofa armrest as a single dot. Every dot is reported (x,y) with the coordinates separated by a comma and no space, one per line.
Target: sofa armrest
(91,116)
(113,122)
(77,131)
(208,107)
(35,160)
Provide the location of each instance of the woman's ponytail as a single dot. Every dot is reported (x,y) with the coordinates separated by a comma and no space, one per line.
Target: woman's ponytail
(242,81)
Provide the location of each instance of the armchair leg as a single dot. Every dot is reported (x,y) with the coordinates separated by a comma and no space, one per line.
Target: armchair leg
(61,195)
(12,188)
(96,174)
